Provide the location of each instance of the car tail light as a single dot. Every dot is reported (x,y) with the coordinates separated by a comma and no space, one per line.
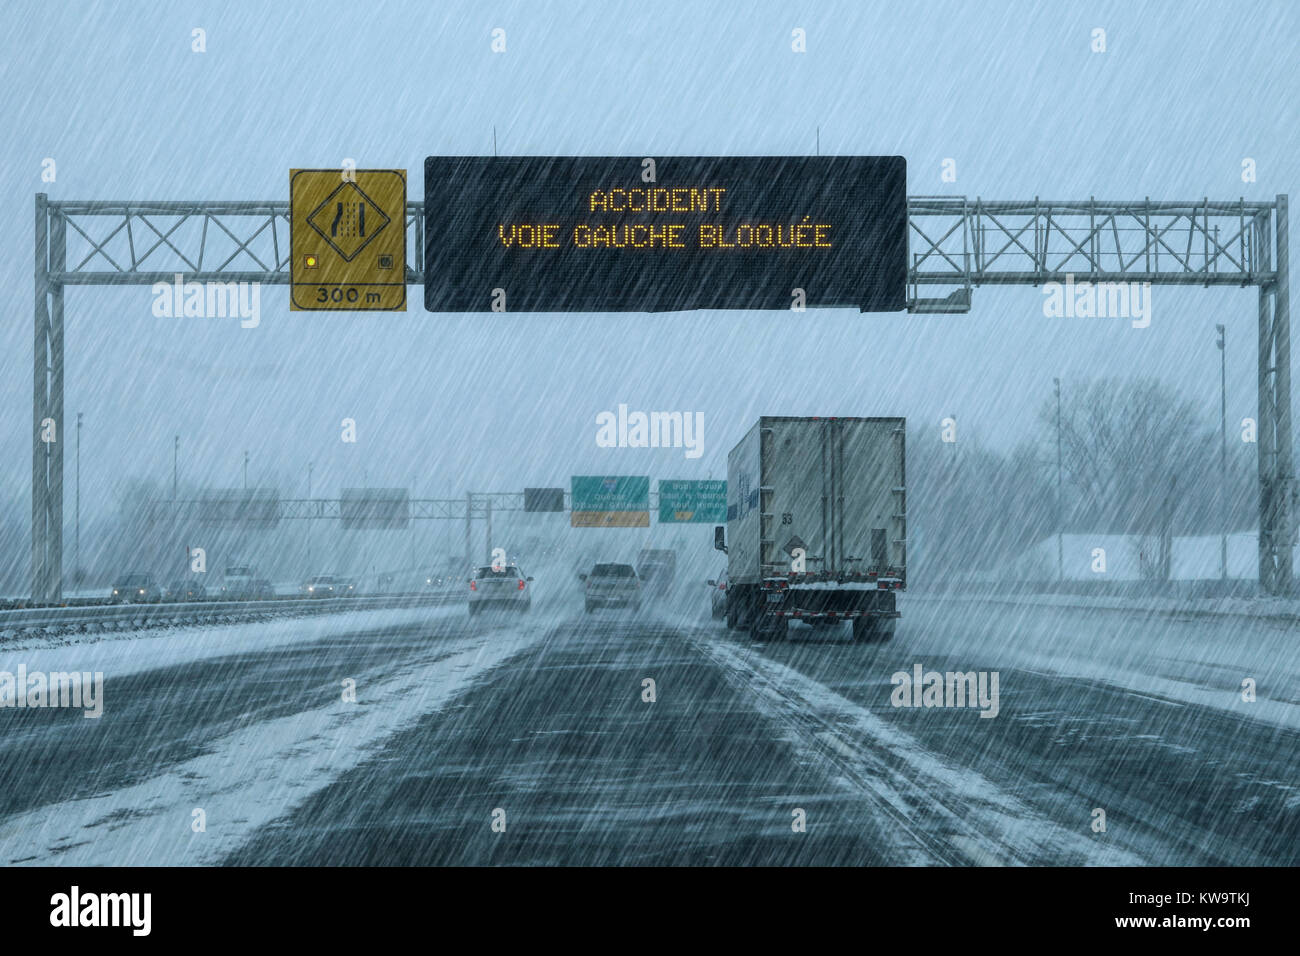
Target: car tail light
(473,586)
(521,584)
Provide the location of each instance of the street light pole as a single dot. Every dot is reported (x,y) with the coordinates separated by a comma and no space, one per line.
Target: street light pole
(1060,500)
(1223,454)
(469,532)
(310,466)
(76,574)
(176,451)
(245,470)
(411,527)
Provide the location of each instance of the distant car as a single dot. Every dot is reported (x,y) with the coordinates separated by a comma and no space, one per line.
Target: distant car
(499,586)
(347,587)
(718,595)
(185,591)
(261,589)
(612,585)
(656,568)
(237,583)
(321,586)
(137,589)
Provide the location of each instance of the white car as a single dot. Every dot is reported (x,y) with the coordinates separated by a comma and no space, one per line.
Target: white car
(611,585)
(499,586)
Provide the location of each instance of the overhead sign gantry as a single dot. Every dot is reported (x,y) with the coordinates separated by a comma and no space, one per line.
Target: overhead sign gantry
(953,244)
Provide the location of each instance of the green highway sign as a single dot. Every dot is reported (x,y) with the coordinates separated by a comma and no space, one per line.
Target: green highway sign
(610,501)
(700,502)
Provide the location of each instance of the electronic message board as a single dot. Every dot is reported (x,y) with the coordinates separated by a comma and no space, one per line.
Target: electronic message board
(672,233)
(543,499)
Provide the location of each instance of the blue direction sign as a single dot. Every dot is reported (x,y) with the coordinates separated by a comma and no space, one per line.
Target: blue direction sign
(698,502)
(610,501)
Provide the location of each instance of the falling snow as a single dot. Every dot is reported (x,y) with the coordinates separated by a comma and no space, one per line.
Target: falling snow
(1098,555)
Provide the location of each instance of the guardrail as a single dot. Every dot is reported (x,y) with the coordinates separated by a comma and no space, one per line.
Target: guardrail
(86,617)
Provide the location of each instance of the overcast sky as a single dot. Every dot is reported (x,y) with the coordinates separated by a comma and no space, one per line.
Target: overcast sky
(117,98)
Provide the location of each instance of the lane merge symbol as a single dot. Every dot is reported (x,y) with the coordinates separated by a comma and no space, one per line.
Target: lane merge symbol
(348,219)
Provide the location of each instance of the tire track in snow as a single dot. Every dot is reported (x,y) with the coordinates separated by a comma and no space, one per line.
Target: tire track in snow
(253,776)
(939,813)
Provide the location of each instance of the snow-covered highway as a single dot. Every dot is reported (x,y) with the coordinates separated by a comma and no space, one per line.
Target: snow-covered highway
(418,736)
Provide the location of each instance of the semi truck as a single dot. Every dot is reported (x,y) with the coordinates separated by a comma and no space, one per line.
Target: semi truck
(816,526)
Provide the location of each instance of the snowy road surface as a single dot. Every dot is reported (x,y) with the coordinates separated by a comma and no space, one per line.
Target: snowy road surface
(529,740)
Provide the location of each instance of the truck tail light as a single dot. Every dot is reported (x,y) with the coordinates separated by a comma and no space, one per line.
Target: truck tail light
(521,584)
(473,586)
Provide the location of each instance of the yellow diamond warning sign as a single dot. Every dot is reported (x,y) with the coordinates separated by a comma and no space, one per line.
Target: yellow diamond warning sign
(341,220)
(347,236)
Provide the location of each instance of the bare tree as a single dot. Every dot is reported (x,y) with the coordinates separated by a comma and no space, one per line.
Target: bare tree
(1137,457)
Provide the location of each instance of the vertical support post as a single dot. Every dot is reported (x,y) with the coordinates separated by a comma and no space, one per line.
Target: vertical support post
(58,264)
(311,513)
(40,395)
(1265,428)
(1284,476)
(1264,442)
(1060,497)
(1222,508)
(487,541)
(76,565)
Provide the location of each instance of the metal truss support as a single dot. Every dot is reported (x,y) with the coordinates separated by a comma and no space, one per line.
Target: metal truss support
(954,242)
(47,407)
(1277,488)
(476,505)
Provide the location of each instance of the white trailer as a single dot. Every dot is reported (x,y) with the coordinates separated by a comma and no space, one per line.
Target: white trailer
(816,525)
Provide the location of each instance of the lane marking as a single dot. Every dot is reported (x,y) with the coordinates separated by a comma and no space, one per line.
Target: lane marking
(916,790)
(253,777)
